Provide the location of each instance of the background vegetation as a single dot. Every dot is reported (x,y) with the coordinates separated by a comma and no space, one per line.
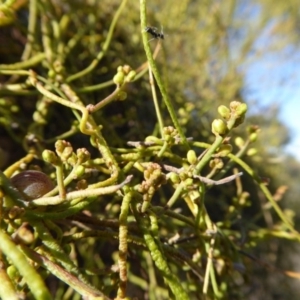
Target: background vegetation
(75,89)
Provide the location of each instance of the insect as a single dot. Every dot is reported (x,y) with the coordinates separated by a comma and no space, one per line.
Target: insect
(153,31)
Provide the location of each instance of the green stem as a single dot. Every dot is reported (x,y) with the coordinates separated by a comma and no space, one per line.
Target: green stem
(85,290)
(167,101)
(266,192)
(159,258)
(31,29)
(155,101)
(29,63)
(81,194)
(207,156)
(123,245)
(33,279)
(60,181)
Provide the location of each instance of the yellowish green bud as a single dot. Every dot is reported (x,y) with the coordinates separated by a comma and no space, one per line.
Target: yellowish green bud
(234,104)
(80,170)
(188,182)
(130,76)
(239,142)
(241,109)
(67,152)
(147,174)
(174,177)
(192,157)
(60,145)
(119,78)
(126,69)
(151,190)
(252,151)
(72,159)
(14,109)
(219,127)
(224,150)
(122,95)
(216,163)
(83,155)
(253,137)
(224,112)
(51,73)
(50,157)
(13,273)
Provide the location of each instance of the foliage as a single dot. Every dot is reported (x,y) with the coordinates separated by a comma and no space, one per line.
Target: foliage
(139,208)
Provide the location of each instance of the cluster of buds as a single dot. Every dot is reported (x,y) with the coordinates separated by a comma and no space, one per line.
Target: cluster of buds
(252,137)
(124,75)
(232,117)
(154,178)
(66,156)
(171,135)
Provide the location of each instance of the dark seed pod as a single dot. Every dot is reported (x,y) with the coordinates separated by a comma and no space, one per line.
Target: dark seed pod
(32,184)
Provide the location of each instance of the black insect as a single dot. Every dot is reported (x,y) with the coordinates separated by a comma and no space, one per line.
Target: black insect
(154,32)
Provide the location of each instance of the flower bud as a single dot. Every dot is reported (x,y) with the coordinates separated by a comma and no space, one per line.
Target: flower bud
(252,152)
(174,177)
(224,112)
(239,142)
(67,152)
(119,78)
(219,127)
(72,159)
(122,95)
(216,163)
(233,105)
(79,171)
(60,146)
(82,184)
(126,69)
(13,273)
(241,109)
(191,157)
(50,157)
(253,137)
(25,234)
(188,182)
(83,155)
(224,150)
(130,76)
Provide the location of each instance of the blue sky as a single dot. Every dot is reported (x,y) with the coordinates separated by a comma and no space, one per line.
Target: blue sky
(275,80)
